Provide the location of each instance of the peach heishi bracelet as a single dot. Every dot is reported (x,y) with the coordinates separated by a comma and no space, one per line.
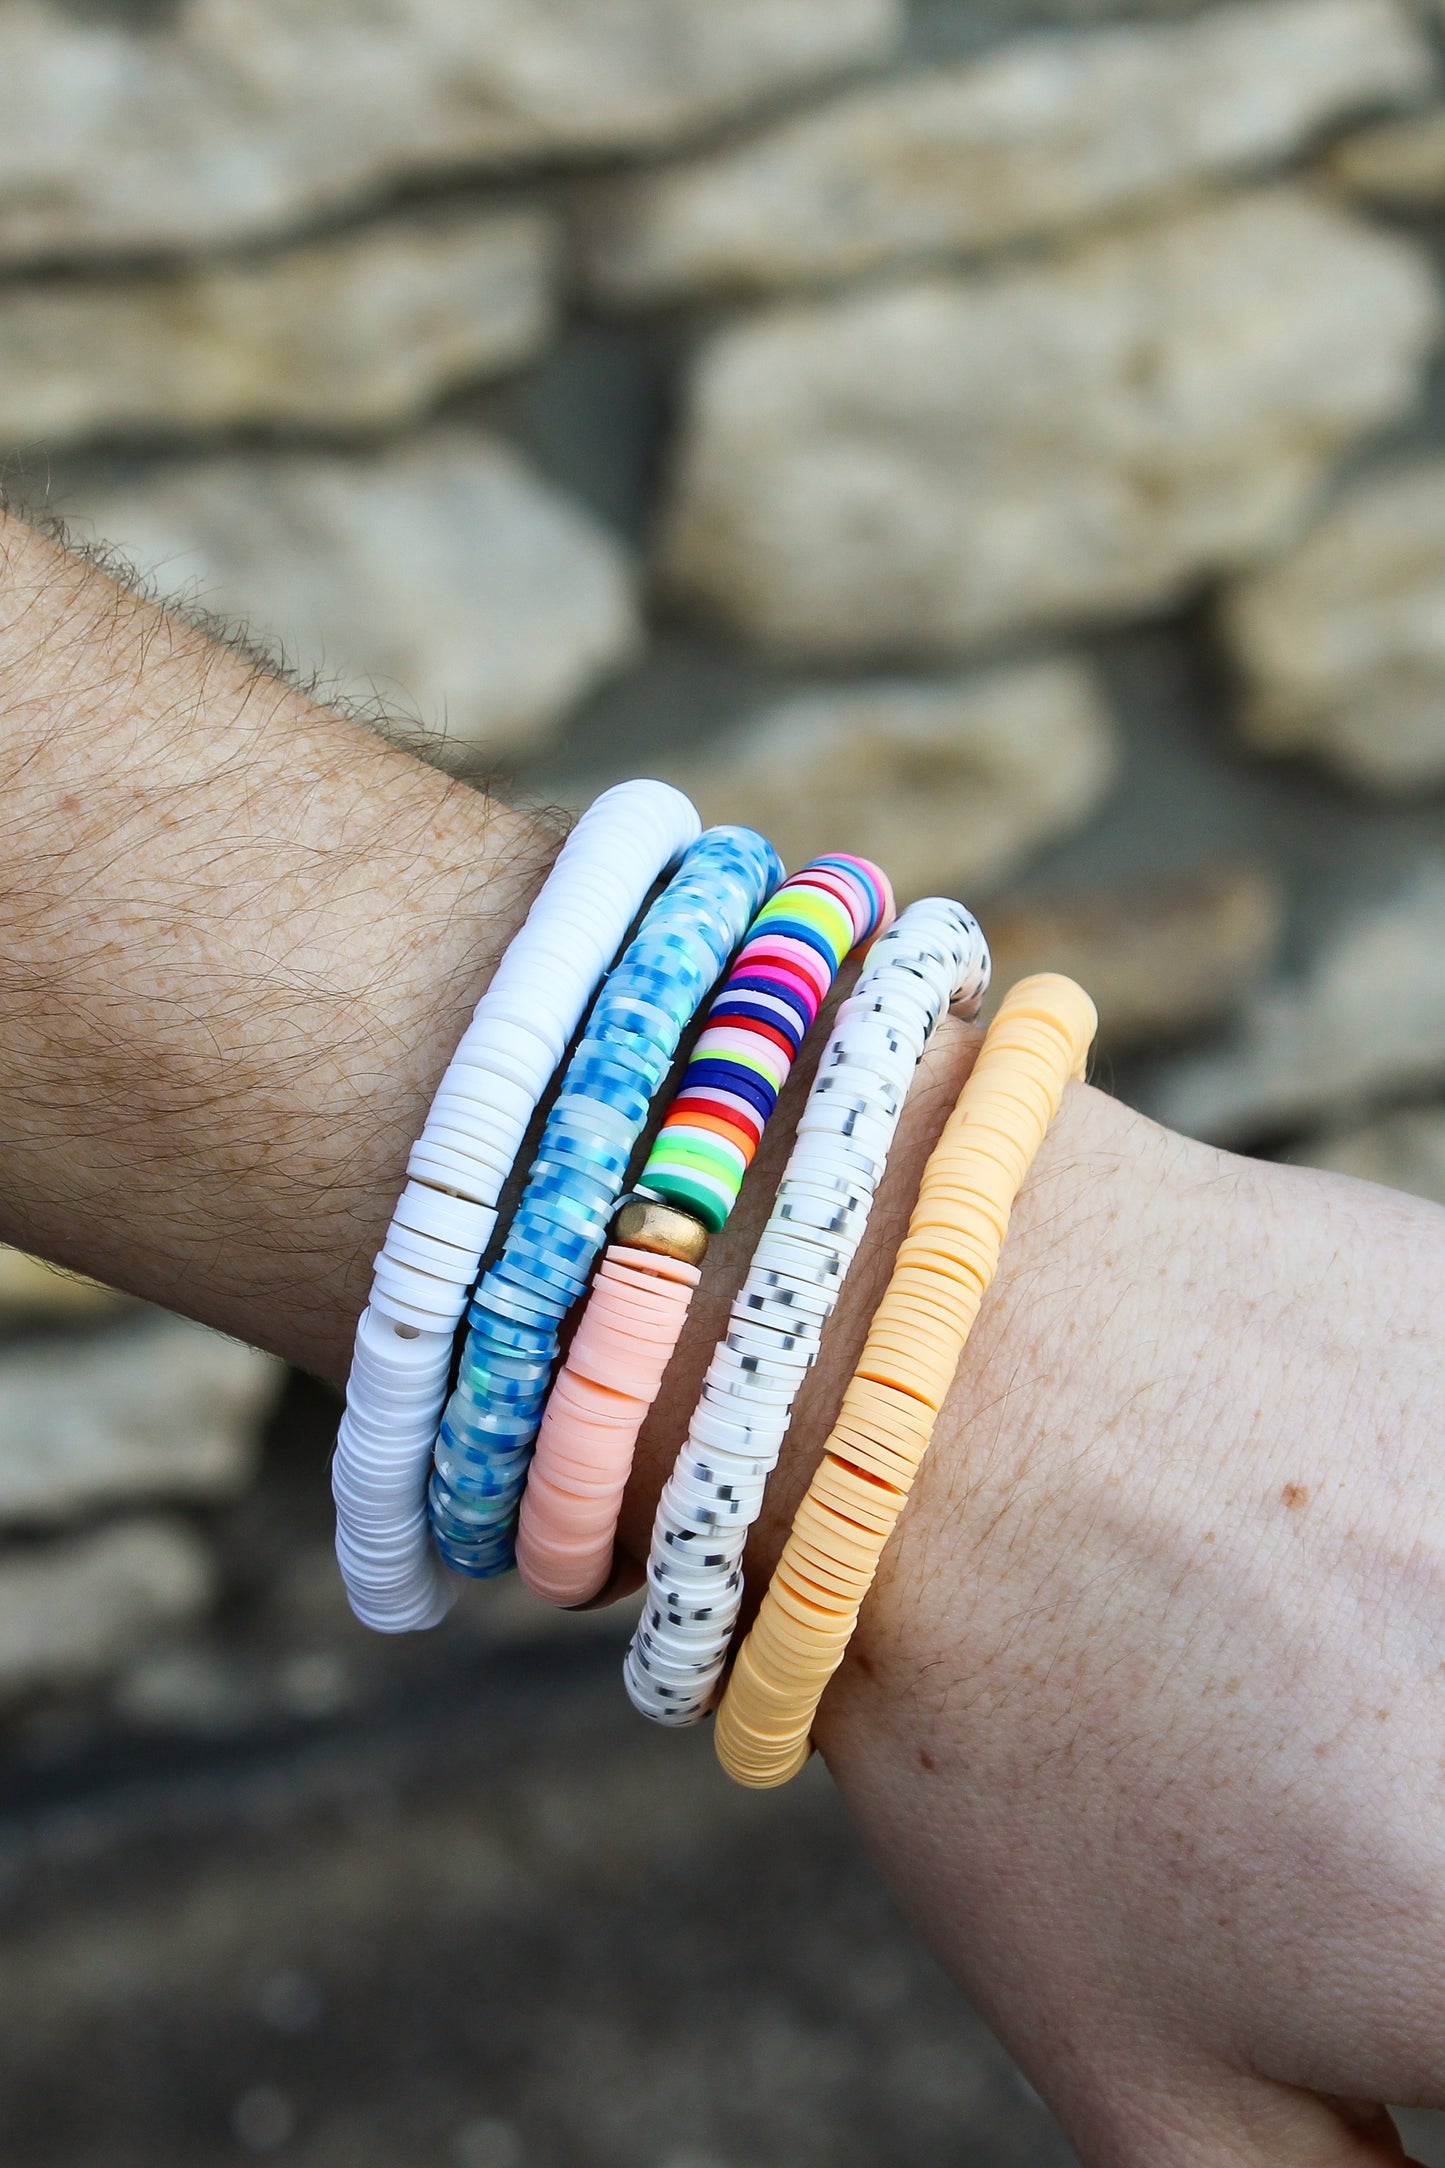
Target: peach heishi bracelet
(945,1265)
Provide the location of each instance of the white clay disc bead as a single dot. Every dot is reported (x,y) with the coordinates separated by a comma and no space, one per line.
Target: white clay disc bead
(933,955)
(428,1264)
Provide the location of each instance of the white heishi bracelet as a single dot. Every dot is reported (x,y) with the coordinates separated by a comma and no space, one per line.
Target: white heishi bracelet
(934,958)
(428,1263)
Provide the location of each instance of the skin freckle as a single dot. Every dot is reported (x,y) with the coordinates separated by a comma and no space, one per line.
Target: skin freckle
(1294,1496)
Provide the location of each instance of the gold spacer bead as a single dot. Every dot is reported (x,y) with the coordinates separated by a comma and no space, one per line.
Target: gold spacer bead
(644,1224)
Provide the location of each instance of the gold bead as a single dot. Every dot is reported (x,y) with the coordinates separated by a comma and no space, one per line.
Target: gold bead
(644,1224)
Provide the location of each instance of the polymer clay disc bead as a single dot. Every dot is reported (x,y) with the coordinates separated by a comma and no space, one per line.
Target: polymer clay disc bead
(739,1064)
(447,1212)
(932,960)
(1037,1042)
(561,1223)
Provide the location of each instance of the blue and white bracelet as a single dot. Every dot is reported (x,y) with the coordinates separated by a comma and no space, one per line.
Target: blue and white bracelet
(632,1036)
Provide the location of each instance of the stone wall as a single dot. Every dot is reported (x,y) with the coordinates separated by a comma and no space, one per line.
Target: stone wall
(1005,438)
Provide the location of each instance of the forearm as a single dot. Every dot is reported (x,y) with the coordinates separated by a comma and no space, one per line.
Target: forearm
(239,938)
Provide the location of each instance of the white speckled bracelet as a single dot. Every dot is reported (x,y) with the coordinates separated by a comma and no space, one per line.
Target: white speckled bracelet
(934,958)
(447,1212)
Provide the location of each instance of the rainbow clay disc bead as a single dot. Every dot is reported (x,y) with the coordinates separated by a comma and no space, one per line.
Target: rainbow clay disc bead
(755,1027)
(630,1040)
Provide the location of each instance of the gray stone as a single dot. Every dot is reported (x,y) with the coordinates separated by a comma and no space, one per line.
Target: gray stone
(355,333)
(946,461)
(83,1606)
(187,1686)
(1400,164)
(439,577)
(1341,646)
(226,120)
(1404,1151)
(162,1409)
(1043,135)
(1365,1022)
(1161,961)
(947,785)
(194,1686)
(1095,11)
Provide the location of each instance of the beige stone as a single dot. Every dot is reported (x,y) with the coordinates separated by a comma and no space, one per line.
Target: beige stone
(1341,646)
(1404,1151)
(83,1606)
(32,1289)
(948,785)
(1400,164)
(1043,135)
(359,332)
(941,462)
(160,1409)
(1365,1022)
(231,118)
(1161,960)
(440,577)
(1096,11)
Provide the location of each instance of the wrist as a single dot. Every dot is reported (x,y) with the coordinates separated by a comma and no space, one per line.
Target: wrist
(1041,1385)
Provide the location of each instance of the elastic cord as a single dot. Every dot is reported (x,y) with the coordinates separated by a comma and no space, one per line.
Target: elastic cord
(507,1054)
(945,1265)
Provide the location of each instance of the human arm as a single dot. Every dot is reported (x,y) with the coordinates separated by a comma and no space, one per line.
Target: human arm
(1112,1719)
(239,939)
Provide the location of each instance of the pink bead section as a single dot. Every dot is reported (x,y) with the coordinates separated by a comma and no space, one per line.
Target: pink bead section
(614,1371)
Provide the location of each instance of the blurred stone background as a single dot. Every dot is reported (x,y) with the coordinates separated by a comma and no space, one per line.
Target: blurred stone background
(1005,436)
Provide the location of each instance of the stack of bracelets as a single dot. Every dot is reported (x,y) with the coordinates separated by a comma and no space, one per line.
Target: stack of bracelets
(469,1465)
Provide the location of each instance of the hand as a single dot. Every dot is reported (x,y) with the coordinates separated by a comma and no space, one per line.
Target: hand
(1146,1716)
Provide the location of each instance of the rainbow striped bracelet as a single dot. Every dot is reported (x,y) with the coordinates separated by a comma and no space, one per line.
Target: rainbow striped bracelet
(642,1294)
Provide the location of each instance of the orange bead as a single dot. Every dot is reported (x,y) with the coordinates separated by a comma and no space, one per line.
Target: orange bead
(1038,1042)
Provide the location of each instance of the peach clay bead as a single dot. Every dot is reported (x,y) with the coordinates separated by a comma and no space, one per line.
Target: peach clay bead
(1038,1041)
(597,1406)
